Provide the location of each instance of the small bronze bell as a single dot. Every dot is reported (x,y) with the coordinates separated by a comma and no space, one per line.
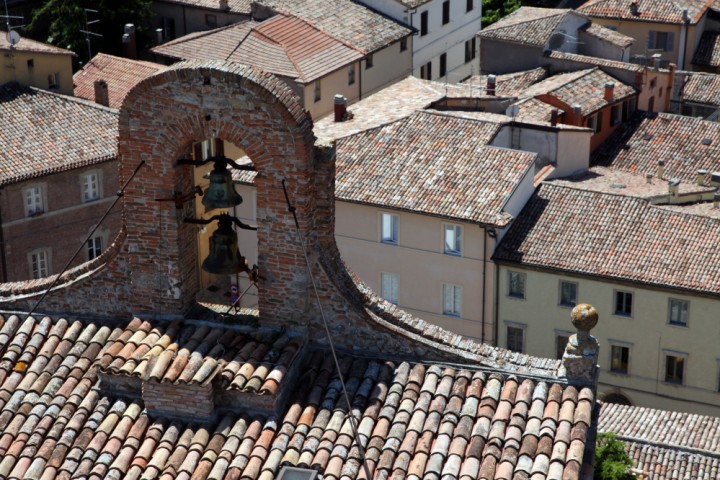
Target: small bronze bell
(224,257)
(221,192)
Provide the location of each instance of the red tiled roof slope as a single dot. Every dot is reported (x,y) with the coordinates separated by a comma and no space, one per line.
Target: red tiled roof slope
(608,35)
(420,421)
(508,84)
(594,61)
(708,50)
(658,11)
(45,132)
(121,75)
(614,237)
(431,163)
(30,45)
(529,25)
(233,6)
(701,88)
(638,145)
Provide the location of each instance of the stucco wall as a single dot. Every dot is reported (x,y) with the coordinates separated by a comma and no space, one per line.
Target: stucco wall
(188,19)
(502,57)
(15,68)
(389,65)
(331,84)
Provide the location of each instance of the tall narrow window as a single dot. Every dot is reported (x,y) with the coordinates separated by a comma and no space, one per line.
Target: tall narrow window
(470,48)
(452,300)
(674,368)
(389,228)
(34,204)
(317,91)
(516,284)
(94,247)
(678,312)
(515,338)
(619,358)
(568,294)
(90,187)
(470,4)
(453,239)
(403,44)
(424,23)
(369,62)
(40,263)
(561,342)
(443,64)
(389,286)
(351,74)
(446,12)
(623,303)
(426,71)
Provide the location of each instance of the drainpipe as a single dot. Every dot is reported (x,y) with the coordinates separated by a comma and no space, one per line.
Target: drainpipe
(484,285)
(3,260)
(683,39)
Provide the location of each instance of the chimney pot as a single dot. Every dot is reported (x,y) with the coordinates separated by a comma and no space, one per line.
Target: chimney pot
(609,92)
(340,107)
(674,186)
(715,179)
(102,96)
(129,41)
(701,176)
(661,169)
(577,112)
(491,81)
(648,177)
(656,60)
(634,7)
(554,114)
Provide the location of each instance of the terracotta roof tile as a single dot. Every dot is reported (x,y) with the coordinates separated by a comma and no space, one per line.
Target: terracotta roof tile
(528,25)
(508,84)
(377,161)
(658,11)
(708,50)
(700,88)
(30,45)
(121,74)
(595,61)
(233,6)
(45,132)
(608,35)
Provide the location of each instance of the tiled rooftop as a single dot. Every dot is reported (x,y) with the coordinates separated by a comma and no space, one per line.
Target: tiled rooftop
(585,88)
(415,420)
(608,35)
(45,132)
(678,140)
(121,74)
(532,109)
(664,444)
(595,61)
(509,84)
(431,163)
(708,50)
(658,11)
(614,236)
(30,45)
(528,25)
(701,88)
(350,22)
(233,6)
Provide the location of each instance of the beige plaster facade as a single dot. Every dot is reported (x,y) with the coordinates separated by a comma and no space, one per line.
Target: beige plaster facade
(345,81)
(646,333)
(49,71)
(389,65)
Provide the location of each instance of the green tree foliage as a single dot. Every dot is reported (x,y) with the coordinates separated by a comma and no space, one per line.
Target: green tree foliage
(60,22)
(494,10)
(612,462)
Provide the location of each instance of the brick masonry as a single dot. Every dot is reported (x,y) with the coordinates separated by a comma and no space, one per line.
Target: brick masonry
(193,402)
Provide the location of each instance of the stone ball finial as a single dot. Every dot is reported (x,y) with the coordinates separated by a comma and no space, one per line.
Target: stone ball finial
(584,317)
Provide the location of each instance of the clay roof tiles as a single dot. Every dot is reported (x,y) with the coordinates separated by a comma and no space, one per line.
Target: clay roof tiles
(32,46)
(595,61)
(434,163)
(701,88)
(508,84)
(415,420)
(708,50)
(44,132)
(233,6)
(658,11)
(121,74)
(608,35)
(528,25)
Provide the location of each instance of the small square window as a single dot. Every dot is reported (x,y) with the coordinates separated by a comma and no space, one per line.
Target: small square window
(619,358)
(561,342)
(623,303)
(54,81)
(318,94)
(34,203)
(515,338)
(90,187)
(403,44)
(674,368)
(31,63)
(568,293)
(369,62)
(452,300)
(389,286)
(424,23)
(351,74)
(516,284)
(446,12)
(94,247)
(678,312)
(40,263)
(469,5)
(389,228)
(453,239)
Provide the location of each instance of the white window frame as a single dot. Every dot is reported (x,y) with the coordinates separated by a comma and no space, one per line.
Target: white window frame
(560,294)
(87,192)
(53,81)
(390,286)
(34,200)
(619,344)
(454,233)
(679,323)
(678,355)
(452,299)
(517,326)
(95,246)
(510,292)
(389,228)
(40,263)
(615,301)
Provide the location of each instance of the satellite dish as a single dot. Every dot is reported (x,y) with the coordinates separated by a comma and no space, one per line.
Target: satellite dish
(556,41)
(13,37)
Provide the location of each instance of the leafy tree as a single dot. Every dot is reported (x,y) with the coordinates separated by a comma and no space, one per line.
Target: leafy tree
(60,22)
(612,462)
(494,10)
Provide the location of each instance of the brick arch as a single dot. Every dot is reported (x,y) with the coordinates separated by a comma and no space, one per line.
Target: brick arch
(160,119)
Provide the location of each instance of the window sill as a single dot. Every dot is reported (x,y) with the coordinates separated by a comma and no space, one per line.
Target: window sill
(386,242)
(567,305)
(677,324)
(516,297)
(619,374)
(36,214)
(453,253)
(624,315)
(450,314)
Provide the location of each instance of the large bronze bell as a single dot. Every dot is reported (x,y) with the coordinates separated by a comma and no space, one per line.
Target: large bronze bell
(224,257)
(221,192)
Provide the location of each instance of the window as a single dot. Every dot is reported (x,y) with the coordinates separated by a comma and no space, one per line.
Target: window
(516,284)
(661,41)
(678,312)
(318,93)
(470,5)
(452,299)
(592,123)
(351,74)
(453,239)
(615,115)
(90,187)
(470,49)
(443,64)
(40,263)
(674,367)
(94,247)
(210,20)
(426,71)
(628,108)
(389,287)
(54,81)
(31,63)
(390,224)
(515,338)
(369,62)
(424,23)
(599,124)
(34,204)
(568,293)
(619,358)
(561,342)
(623,303)
(446,12)
(403,44)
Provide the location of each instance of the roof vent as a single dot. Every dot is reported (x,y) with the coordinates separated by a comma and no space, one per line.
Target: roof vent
(661,168)
(649,177)
(294,473)
(617,185)
(701,176)
(674,186)
(648,136)
(707,141)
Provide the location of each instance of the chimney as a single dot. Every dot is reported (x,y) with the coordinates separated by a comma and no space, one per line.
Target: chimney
(129,42)
(609,91)
(224,5)
(715,179)
(701,176)
(101,93)
(648,177)
(661,168)
(674,187)
(554,114)
(716,200)
(159,35)
(634,7)
(577,112)
(579,362)
(685,16)
(340,107)
(656,60)
(491,79)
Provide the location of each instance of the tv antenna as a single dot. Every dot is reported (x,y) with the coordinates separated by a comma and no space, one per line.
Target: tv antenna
(12,36)
(87,32)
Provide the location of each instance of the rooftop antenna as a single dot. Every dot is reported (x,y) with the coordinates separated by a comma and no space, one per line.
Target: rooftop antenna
(87,31)
(13,37)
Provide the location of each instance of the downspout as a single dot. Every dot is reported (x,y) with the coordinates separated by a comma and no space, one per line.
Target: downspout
(484,285)
(360,70)
(184,21)
(683,39)
(3,260)
(497,303)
